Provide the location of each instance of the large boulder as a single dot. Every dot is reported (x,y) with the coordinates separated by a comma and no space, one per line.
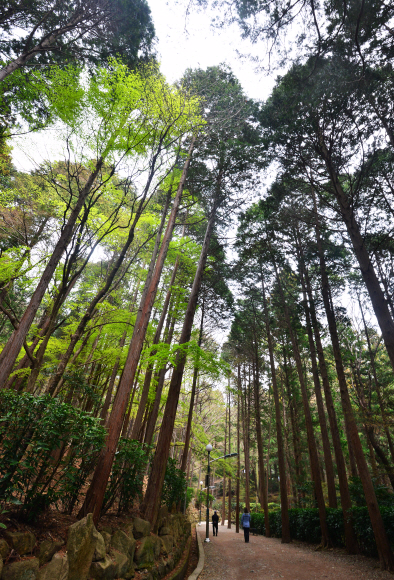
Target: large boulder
(21,542)
(164,531)
(167,543)
(128,529)
(22,570)
(100,550)
(57,569)
(147,552)
(81,545)
(141,528)
(48,549)
(107,540)
(1,565)
(104,570)
(123,543)
(4,548)
(122,562)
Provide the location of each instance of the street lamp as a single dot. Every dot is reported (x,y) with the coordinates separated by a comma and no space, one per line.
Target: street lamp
(208,449)
(201,482)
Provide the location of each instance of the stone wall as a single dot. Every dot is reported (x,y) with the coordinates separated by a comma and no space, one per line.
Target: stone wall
(104,554)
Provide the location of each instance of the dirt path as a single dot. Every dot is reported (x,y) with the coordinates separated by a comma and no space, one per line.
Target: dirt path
(227,557)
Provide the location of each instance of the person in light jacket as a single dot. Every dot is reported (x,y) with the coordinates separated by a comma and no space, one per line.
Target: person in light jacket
(245,520)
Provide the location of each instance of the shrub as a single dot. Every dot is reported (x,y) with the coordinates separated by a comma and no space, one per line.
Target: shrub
(48,449)
(305,526)
(174,488)
(127,475)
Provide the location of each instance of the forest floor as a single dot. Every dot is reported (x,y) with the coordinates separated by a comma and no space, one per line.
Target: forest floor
(227,557)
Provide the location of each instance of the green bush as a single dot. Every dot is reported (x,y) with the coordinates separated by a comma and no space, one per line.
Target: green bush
(47,451)
(127,475)
(174,487)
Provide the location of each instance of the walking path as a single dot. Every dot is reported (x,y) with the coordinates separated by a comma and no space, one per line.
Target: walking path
(227,557)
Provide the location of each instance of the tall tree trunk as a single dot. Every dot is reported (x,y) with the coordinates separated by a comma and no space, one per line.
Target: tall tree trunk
(224,472)
(229,450)
(95,495)
(371,281)
(314,458)
(346,502)
(259,439)
(245,423)
(135,433)
(238,449)
(155,484)
(332,495)
(192,396)
(279,433)
(382,544)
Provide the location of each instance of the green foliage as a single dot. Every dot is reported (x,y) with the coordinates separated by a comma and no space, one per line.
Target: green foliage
(174,485)
(384,496)
(305,526)
(127,476)
(48,449)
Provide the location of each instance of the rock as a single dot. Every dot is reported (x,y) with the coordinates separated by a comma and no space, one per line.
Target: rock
(122,564)
(4,549)
(108,530)
(48,549)
(128,529)
(107,540)
(22,570)
(148,552)
(81,544)
(57,569)
(123,543)
(141,528)
(100,550)
(167,543)
(1,566)
(164,531)
(104,570)
(21,542)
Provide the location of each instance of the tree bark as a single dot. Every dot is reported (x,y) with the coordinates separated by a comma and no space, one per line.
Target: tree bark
(314,459)
(346,502)
(95,495)
(151,502)
(286,538)
(382,544)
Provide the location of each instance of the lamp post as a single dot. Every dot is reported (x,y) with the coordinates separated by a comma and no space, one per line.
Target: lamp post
(209,449)
(201,482)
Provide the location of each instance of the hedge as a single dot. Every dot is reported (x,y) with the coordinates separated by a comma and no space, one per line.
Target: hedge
(305,526)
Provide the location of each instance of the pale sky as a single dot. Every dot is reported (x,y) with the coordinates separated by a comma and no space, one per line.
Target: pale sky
(189,41)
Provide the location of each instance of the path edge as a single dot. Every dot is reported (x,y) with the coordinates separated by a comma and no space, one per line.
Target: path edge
(201,559)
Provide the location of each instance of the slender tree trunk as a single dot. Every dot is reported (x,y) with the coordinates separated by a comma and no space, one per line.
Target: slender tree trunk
(155,484)
(314,459)
(238,450)
(332,495)
(259,439)
(382,544)
(135,433)
(377,385)
(245,423)
(229,450)
(346,502)
(371,281)
(286,538)
(224,472)
(95,495)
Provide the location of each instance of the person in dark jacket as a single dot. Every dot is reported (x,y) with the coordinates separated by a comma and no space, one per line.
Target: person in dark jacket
(245,520)
(215,523)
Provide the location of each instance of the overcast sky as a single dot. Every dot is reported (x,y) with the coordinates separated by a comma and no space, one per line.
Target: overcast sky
(189,41)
